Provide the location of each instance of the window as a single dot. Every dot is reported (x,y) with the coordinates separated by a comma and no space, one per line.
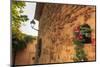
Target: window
(86,33)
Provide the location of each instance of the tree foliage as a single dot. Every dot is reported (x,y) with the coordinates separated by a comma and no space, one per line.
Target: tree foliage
(17,16)
(19,40)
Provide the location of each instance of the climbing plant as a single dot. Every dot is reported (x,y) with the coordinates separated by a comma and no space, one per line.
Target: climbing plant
(82,35)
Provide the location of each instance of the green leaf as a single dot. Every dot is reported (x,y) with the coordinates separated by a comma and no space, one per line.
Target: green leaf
(77,42)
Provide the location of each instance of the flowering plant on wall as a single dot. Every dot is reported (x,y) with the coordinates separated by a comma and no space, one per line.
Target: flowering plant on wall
(82,35)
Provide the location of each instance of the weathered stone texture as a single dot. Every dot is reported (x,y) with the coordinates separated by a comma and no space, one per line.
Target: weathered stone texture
(56,26)
(27,55)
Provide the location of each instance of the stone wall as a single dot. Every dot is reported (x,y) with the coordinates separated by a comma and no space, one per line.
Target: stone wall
(27,55)
(56,26)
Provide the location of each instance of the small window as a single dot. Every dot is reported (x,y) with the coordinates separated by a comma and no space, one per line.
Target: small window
(86,33)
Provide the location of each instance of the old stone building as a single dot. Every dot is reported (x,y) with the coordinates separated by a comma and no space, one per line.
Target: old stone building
(56,24)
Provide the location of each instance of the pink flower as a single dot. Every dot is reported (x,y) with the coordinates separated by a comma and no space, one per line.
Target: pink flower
(80,37)
(93,41)
(77,29)
(93,38)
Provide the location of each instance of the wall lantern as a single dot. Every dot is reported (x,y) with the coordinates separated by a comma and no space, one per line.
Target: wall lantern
(33,24)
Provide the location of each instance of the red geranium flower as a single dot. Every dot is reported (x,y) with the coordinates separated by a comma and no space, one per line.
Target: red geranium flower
(93,41)
(77,29)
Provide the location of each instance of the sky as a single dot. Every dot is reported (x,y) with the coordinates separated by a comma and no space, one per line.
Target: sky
(29,10)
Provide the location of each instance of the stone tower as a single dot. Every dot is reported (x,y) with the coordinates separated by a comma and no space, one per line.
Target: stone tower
(56,24)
